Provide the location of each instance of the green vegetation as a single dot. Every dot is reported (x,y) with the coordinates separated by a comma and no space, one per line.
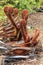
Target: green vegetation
(20,4)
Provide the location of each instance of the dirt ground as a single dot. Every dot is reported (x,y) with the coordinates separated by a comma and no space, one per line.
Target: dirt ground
(35,20)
